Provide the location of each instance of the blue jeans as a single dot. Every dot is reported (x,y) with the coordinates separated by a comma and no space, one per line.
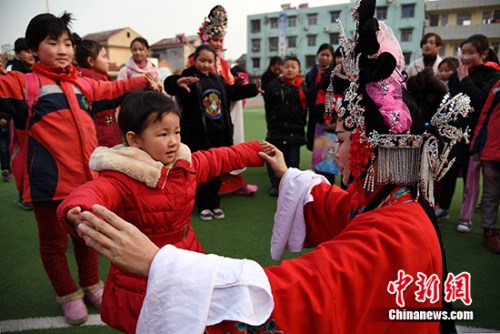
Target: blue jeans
(291,153)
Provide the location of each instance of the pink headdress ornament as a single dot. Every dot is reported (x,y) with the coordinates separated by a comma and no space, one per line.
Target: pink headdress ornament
(213,25)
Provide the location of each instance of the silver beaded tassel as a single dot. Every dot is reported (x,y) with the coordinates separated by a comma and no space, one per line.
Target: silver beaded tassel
(398,165)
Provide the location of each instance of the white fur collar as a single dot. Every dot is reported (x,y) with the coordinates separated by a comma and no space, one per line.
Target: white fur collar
(133,162)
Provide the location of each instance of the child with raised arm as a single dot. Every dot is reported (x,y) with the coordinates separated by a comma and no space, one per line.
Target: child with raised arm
(60,136)
(150,181)
(206,122)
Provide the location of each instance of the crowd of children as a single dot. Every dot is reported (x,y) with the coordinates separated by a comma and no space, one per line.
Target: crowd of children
(142,166)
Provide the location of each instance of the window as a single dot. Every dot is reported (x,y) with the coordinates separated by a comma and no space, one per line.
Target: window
(496,16)
(407,56)
(273,23)
(408,11)
(128,34)
(292,21)
(463,19)
(334,15)
(407,35)
(310,61)
(444,20)
(381,13)
(256,62)
(433,20)
(311,40)
(334,38)
(487,17)
(456,48)
(273,44)
(255,26)
(255,45)
(292,41)
(312,19)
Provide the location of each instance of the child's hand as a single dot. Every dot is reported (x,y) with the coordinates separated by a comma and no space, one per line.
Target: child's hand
(185,82)
(153,81)
(259,87)
(462,72)
(274,158)
(73,218)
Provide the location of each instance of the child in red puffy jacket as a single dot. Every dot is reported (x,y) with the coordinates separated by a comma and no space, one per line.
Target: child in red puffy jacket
(150,181)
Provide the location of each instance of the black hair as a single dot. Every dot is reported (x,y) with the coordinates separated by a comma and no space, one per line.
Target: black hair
(482,44)
(47,25)
(139,105)
(85,48)
(203,47)
(439,40)
(21,45)
(275,60)
(141,40)
(293,58)
(452,62)
(325,46)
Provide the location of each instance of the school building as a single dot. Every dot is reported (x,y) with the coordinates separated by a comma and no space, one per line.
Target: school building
(299,31)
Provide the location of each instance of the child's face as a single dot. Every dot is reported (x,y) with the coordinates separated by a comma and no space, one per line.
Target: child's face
(26,58)
(291,69)
(217,42)
(139,52)
(161,139)
(55,52)
(325,58)
(444,72)
(277,69)
(101,63)
(205,62)
(470,57)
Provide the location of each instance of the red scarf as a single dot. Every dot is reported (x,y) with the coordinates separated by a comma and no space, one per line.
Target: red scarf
(68,74)
(297,83)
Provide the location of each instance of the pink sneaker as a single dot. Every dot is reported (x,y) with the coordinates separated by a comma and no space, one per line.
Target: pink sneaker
(93,294)
(75,311)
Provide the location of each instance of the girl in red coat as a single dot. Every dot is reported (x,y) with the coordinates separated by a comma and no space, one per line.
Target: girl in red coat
(151,181)
(59,138)
(93,63)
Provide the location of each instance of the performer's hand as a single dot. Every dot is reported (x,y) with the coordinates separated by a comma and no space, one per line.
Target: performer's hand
(153,81)
(185,82)
(118,240)
(274,158)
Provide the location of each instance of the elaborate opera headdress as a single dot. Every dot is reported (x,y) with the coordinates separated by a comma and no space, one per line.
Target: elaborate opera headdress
(213,25)
(410,140)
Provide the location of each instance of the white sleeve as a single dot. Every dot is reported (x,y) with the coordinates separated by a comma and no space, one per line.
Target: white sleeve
(289,231)
(188,291)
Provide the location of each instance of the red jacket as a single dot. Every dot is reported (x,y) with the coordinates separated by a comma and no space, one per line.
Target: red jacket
(62,134)
(486,140)
(341,286)
(158,200)
(106,125)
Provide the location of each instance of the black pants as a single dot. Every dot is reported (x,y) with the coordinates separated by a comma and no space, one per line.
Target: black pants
(207,195)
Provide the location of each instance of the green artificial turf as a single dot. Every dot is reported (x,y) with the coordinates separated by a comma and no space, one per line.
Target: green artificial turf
(244,233)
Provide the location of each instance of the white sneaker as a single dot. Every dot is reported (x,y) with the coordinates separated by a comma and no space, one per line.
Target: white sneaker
(441,214)
(464,227)
(218,214)
(206,215)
